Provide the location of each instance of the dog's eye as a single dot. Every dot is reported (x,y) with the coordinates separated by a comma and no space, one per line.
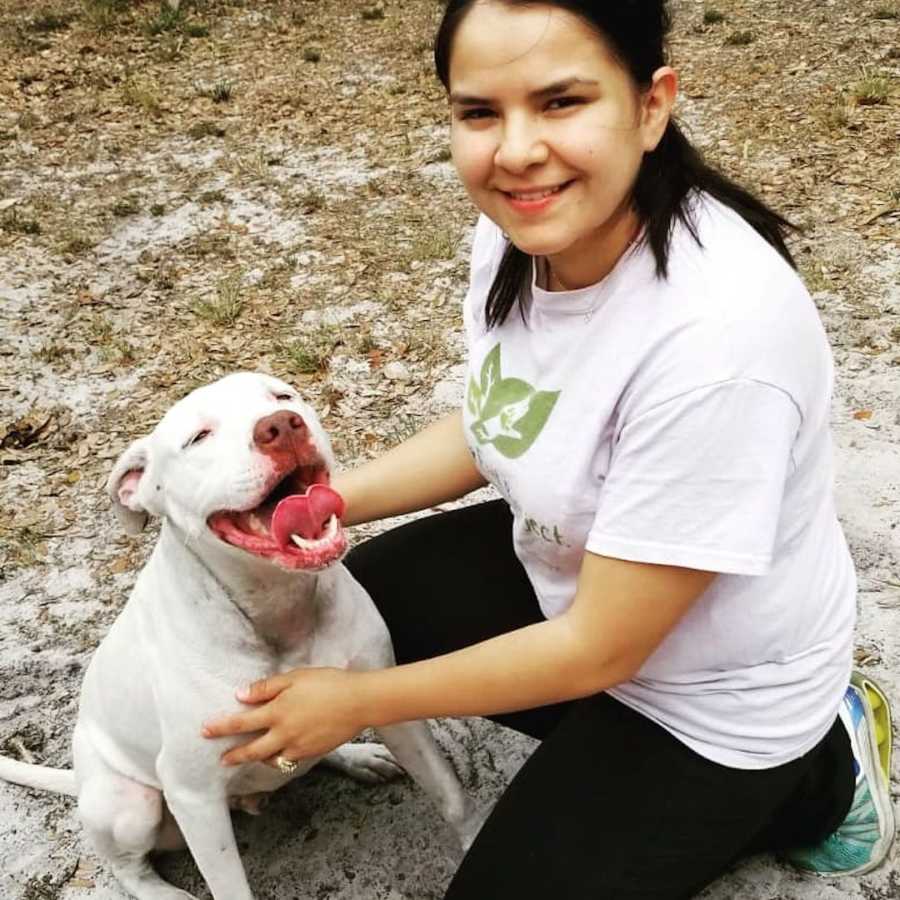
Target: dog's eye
(284,396)
(199,436)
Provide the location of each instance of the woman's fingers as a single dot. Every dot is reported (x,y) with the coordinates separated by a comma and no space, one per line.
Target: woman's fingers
(263,748)
(264,689)
(255,720)
(238,723)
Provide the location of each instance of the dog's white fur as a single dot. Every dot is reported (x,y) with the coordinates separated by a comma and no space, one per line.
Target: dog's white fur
(204,618)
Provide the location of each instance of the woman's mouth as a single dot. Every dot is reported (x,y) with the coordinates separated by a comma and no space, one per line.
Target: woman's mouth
(536,200)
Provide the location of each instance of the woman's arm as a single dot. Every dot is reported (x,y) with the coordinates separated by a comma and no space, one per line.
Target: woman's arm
(431,467)
(621,613)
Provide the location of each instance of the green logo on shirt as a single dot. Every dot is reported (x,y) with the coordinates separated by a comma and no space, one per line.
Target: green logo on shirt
(509,413)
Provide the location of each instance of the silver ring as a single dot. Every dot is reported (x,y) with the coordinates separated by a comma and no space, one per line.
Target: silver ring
(286,766)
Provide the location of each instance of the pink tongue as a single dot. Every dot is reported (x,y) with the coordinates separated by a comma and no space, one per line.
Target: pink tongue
(305,514)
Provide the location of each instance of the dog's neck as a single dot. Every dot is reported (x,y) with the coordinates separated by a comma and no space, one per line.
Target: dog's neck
(281,606)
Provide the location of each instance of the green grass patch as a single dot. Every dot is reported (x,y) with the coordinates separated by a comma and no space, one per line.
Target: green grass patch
(167,19)
(126,206)
(740,38)
(438,245)
(144,94)
(54,351)
(100,330)
(886,11)
(49,20)
(221,91)
(12,222)
(75,244)
(204,129)
(311,201)
(309,355)
(872,90)
(835,114)
(120,352)
(104,14)
(208,197)
(225,308)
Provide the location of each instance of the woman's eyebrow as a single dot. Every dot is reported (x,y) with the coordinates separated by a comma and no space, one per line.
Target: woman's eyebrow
(558,87)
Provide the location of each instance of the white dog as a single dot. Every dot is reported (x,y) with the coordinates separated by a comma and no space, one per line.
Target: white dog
(244,582)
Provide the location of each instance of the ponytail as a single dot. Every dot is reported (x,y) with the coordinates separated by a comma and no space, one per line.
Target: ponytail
(668,177)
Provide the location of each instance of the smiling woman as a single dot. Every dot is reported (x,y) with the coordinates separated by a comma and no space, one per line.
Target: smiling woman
(663,595)
(548,134)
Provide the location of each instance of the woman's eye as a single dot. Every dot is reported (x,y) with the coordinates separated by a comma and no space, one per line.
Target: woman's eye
(199,436)
(564,102)
(476,113)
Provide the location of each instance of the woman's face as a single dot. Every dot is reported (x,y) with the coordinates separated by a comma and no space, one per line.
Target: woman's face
(548,129)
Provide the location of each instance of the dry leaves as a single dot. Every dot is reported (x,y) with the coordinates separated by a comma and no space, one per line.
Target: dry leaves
(25,432)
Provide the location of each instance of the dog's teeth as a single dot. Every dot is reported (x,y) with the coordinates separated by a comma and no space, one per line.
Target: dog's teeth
(256,524)
(331,529)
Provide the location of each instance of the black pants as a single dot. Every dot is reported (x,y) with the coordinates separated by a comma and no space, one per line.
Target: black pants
(610,805)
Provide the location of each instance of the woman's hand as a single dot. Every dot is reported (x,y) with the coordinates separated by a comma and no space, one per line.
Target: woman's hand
(306,713)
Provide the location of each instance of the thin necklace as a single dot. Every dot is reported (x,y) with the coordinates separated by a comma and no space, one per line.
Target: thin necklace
(553,278)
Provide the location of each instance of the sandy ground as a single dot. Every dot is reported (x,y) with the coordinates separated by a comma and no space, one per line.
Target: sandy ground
(154,237)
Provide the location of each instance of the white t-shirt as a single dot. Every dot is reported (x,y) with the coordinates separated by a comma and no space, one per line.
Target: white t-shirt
(685,422)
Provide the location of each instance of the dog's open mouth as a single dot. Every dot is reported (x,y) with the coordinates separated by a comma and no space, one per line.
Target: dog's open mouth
(297,524)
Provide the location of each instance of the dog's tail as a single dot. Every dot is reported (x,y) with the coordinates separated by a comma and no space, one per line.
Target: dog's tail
(60,781)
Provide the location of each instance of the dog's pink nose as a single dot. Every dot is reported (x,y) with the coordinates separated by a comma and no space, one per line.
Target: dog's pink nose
(278,431)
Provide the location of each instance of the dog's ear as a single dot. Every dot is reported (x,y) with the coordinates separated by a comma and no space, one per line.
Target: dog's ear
(122,486)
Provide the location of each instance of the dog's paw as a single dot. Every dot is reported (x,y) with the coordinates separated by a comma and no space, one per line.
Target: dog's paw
(371,763)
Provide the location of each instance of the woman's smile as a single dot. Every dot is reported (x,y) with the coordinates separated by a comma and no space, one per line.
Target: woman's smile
(532,201)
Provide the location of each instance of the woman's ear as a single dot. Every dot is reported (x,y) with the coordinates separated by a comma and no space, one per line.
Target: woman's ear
(658,101)
(123,484)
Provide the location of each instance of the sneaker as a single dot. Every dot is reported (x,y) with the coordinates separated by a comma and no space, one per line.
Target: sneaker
(881,713)
(863,839)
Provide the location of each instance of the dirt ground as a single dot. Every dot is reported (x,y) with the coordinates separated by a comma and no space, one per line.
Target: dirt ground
(266,185)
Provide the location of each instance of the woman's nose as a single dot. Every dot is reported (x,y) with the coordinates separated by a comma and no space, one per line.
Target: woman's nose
(521,145)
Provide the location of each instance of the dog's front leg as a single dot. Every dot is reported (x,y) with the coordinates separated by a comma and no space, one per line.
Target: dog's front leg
(205,821)
(415,749)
